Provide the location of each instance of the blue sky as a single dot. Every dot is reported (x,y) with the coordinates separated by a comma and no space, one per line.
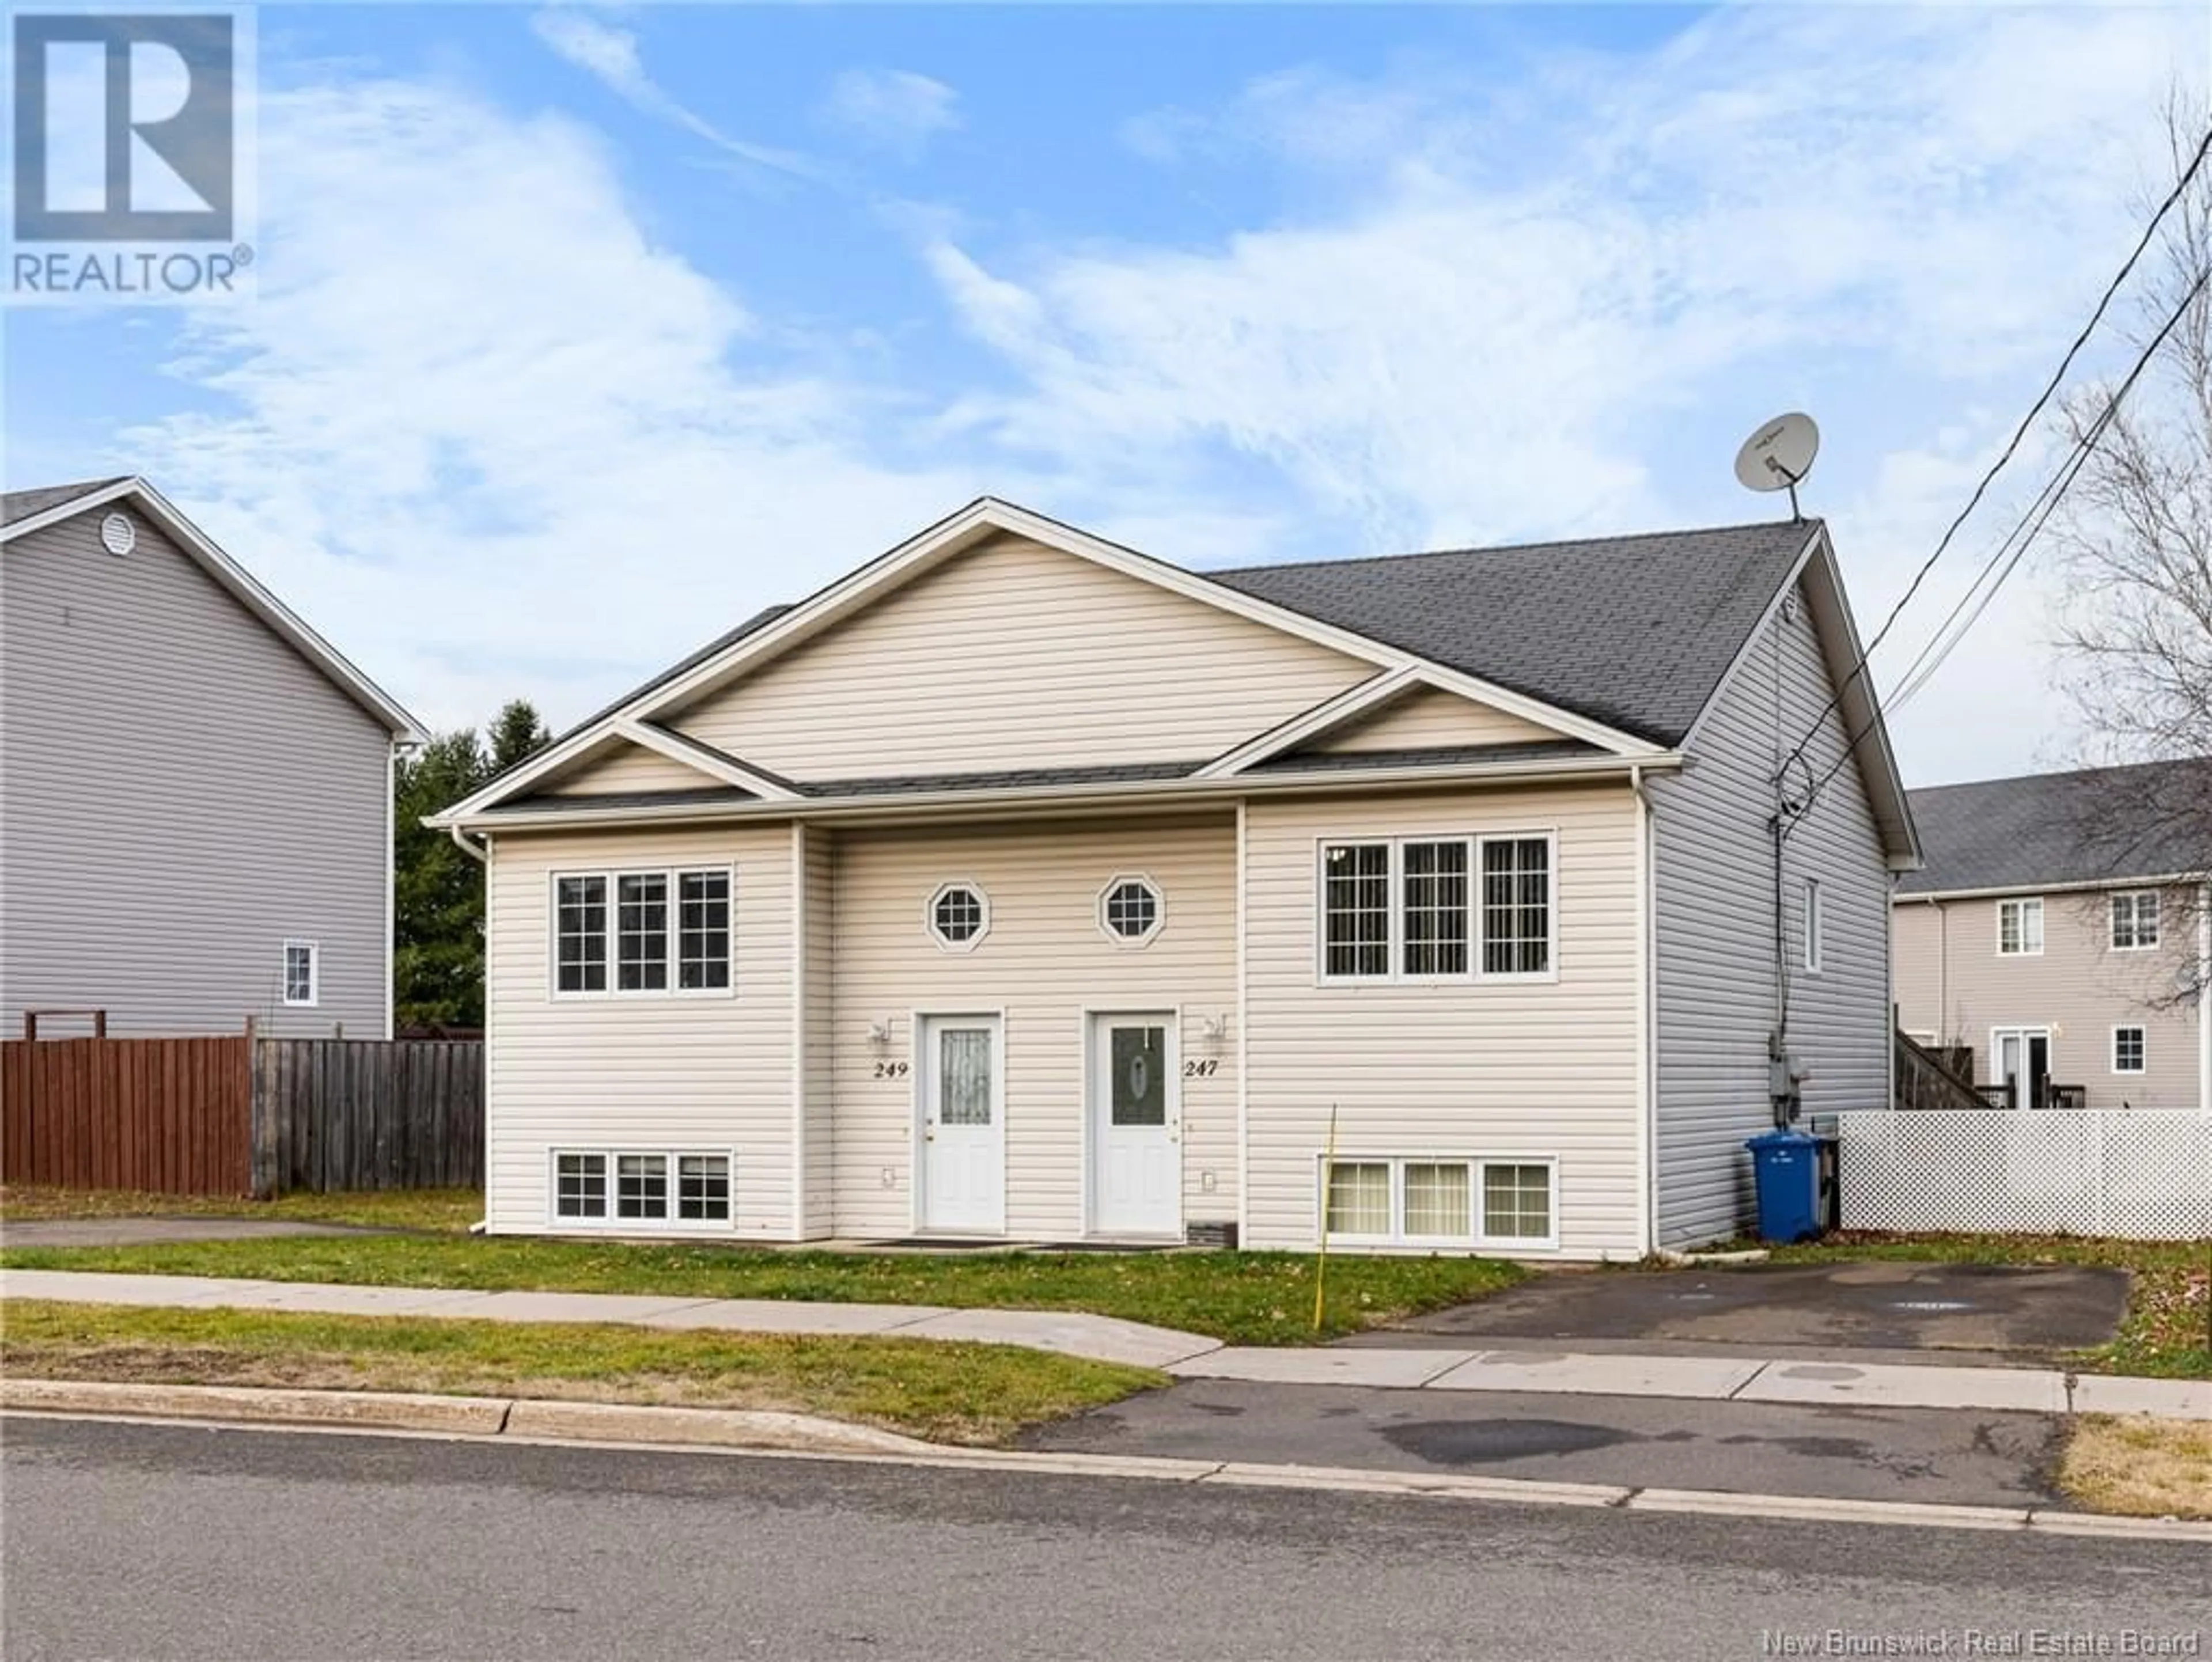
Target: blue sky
(581,333)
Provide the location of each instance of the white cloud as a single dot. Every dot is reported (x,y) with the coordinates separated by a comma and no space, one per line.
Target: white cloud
(1552,298)
(612,55)
(488,436)
(895,110)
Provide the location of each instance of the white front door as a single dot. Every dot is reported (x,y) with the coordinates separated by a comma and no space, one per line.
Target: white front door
(964,1132)
(1136,1117)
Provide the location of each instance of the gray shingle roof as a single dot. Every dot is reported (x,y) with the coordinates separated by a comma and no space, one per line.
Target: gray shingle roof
(715,795)
(2154,819)
(29,504)
(1635,632)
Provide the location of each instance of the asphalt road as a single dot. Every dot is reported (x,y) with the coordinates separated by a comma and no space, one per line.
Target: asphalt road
(1949,1457)
(161,1542)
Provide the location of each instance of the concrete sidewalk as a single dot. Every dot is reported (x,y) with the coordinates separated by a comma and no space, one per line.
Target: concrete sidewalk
(1100,1338)
(1804,1379)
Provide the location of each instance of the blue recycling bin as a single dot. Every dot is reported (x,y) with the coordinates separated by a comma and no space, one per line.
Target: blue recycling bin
(1785,1169)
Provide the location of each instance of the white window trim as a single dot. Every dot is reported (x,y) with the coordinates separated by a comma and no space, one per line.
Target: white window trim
(1132,943)
(929,915)
(1479,1240)
(1474,973)
(314,951)
(2142,1050)
(1812,927)
(613,1224)
(2134,897)
(2042,915)
(612,876)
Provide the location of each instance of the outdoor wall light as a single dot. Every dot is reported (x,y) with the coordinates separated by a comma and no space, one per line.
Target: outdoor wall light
(880,1032)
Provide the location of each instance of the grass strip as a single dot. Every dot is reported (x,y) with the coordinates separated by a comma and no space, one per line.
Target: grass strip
(449,1211)
(2141,1467)
(948,1393)
(1241,1298)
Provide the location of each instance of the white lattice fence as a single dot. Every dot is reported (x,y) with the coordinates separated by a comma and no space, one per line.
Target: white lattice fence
(2147,1176)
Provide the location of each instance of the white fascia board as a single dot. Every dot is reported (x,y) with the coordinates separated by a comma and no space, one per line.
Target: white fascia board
(1075,798)
(728,769)
(1342,707)
(243,588)
(2030,891)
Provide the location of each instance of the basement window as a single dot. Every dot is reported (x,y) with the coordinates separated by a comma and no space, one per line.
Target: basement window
(626,1187)
(1427,1201)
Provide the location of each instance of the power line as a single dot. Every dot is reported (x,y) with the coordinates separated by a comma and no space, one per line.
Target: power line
(2051,388)
(2038,511)
(1938,648)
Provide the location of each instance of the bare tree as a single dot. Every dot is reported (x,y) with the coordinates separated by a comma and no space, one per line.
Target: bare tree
(2134,540)
(2135,536)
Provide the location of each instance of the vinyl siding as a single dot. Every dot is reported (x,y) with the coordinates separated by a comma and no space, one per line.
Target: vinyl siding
(1714,897)
(180,792)
(1952,982)
(1018,655)
(629,767)
(1540,1070)
(819,1027)
(1430,718)
(1044,961)
(642,1072)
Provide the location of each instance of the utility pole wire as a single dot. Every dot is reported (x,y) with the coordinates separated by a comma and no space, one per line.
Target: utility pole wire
(2039,510)
(2012,444)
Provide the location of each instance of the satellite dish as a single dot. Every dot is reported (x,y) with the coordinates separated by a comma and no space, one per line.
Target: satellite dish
(1778,455)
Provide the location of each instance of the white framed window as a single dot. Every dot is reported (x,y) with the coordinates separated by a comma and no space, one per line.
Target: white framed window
(2129,1052)
(1502,1202)
(1812,927)
(1433,881)
(1130,910)
(628,1187)
(1355,911)
(2020,928)
(303,967)
(2135,920)
(659,933)
(1517,914)
(959,915)
(1438,909)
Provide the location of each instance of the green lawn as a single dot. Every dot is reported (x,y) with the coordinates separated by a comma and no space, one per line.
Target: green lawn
(948,1393)
(1243,1298)
(449,1210)
(2165,1332)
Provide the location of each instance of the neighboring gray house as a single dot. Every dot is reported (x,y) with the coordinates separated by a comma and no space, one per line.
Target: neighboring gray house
(195,788)
(1019,885)
(2058,932)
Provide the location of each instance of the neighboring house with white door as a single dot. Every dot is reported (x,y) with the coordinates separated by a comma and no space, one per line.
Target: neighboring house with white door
(195,787)
(1021,886)
(2056,931)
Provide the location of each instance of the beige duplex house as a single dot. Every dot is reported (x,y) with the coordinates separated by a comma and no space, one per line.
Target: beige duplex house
(2056,931)
(1020,886)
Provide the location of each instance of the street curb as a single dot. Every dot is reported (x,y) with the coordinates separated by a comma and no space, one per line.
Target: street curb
(367,1410)
(765,1434)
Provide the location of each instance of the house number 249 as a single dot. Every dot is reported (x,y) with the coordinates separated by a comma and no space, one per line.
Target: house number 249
(891,1069)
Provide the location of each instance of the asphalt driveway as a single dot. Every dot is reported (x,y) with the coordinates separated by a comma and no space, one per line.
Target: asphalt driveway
(1995,1312)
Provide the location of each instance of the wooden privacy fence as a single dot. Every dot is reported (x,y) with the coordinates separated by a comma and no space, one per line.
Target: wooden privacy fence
(240,1115)
(167,1116)
(367,1113)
